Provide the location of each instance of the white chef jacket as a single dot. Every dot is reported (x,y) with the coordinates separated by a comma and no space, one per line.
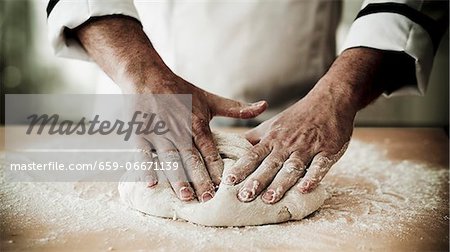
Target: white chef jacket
(258,49)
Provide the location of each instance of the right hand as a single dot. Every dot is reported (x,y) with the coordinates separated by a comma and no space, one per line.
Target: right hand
(120,47)
(202,162)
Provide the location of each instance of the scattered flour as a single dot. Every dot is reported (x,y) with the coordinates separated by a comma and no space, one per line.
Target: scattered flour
(375,203)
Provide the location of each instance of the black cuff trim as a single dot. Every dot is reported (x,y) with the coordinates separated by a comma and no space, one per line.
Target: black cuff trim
(50,6)
(398,71)
(430,25)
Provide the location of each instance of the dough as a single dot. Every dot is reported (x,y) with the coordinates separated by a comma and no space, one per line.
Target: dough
(224,209)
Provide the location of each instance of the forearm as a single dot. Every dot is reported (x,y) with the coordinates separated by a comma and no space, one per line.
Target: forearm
(359,76)
(120,47)
(357,72)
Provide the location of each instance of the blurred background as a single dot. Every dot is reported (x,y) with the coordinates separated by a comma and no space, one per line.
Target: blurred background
(28,66)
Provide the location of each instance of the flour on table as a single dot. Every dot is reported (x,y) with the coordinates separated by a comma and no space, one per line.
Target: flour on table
(377,204)
(224,209)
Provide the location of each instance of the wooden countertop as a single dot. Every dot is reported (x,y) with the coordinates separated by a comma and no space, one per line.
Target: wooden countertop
(428,145)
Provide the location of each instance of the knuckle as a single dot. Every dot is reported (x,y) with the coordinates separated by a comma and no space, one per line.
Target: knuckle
(199,179)
(272,163)
(274,133)
(314,183)
(317,172)
(206,146)
(322,162)
(192,158)
(332,147)
(199,125)
(169,155)
(295,166)
(206,186)
(202,143)
(257,152)
(295,160)
(193,161)
(200,134)
(253,154)
(212,158)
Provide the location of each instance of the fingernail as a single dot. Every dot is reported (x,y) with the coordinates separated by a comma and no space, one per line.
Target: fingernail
(230,179)
(304,186)
(248,194)
(245,195)
(206,196)
(269,196)
(151,181)
(152,184)
(186,193)
(258,103)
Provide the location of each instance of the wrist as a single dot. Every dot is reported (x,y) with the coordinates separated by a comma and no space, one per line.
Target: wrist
(331,96)
(142,74)
(149,81)
(120,47)
(354,79)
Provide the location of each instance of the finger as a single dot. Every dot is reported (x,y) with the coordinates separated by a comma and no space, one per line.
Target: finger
(168,155)
(319,167)
(293,169)
(262,177)
(253,135)
(205,144)
(144,155)
(177,178)
(247,164)
(231,108)
(198,175)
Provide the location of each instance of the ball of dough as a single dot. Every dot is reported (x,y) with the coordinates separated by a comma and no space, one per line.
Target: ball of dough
(224,209)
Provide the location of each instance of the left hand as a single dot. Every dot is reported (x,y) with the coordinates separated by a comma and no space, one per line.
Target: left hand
(300,145)
(313,132)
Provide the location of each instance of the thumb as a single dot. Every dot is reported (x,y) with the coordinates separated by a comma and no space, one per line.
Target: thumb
(235,109)
(255,135)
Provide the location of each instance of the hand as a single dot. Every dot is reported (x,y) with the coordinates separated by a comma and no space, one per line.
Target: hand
(121,48)
(202,163)
(300,145)
(303,141)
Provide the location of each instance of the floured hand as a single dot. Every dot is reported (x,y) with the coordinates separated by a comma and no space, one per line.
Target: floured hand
(304,141)
(121,48)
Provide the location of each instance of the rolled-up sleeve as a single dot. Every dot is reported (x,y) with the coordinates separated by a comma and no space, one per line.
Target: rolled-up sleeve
(64,15)
(402,26)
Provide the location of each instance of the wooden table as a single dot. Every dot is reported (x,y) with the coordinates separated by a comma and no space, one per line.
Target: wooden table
(423,145)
